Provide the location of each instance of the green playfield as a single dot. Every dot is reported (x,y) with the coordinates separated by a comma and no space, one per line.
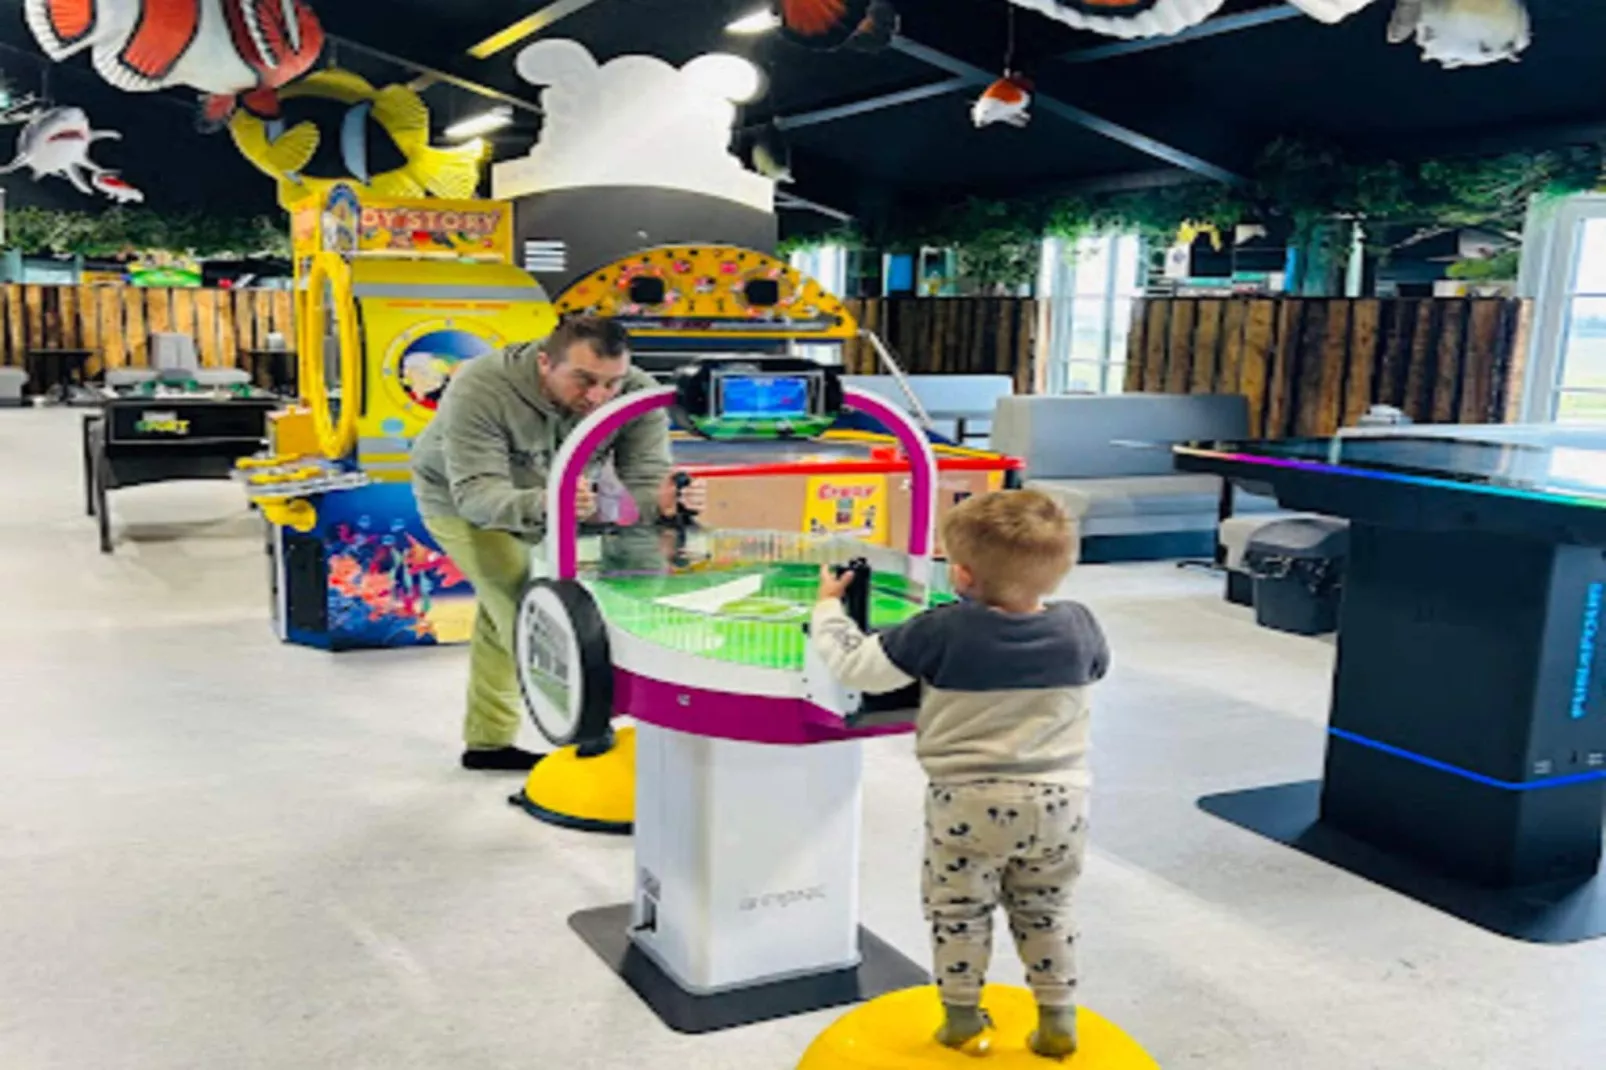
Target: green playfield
(751,615)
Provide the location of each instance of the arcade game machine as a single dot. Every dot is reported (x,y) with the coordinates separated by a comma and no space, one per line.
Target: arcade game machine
(746,751)
(680,302)
(391,297)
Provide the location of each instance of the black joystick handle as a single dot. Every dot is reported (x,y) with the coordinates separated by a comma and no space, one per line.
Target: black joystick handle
(684,516)
(856,599)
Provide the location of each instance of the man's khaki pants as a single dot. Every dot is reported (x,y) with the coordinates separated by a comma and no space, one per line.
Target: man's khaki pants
(497,563)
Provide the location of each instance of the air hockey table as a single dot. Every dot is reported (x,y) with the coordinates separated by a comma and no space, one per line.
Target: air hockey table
(1466,751)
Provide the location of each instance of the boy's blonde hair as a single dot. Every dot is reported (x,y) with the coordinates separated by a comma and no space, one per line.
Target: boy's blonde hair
(1018,544)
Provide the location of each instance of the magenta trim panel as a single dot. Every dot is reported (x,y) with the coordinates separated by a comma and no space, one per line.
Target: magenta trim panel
(743,718)
(916,449)
(567,531)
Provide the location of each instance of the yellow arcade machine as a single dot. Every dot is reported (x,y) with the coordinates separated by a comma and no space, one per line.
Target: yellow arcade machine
(391,297)
(682,301)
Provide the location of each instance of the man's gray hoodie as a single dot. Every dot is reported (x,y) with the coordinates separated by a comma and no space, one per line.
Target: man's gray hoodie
(486,455)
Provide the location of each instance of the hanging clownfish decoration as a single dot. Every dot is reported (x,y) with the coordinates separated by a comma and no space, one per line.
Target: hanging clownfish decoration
(335,127)
(236,52)
(865,25)
(1126,18)
(1005,101)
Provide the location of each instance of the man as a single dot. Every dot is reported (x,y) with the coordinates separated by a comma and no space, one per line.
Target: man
(480,472)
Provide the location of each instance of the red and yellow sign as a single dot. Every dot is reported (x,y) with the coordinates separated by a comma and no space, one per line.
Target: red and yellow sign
(847,505)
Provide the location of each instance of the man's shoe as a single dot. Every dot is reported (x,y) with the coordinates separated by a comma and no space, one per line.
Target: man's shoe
(505,759)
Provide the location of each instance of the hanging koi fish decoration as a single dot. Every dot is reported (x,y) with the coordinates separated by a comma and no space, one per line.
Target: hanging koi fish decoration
(1005,101)
(234,51)
(864,25)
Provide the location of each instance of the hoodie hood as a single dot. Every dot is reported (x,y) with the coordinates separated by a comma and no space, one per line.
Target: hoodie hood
(524,371)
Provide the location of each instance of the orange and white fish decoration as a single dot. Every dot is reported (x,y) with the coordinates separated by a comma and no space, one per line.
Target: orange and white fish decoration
(864,25)
(1005,101)
(234,51)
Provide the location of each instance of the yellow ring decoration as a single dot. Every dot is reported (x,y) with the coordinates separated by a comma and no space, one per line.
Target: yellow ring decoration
(336,439)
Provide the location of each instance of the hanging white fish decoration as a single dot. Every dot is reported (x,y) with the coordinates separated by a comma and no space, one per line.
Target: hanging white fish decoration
(56,141)
(1463,33)
(1126,18)
(1330,11)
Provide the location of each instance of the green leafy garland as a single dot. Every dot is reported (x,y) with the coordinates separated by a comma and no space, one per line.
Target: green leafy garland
(1304,183)
(128,231)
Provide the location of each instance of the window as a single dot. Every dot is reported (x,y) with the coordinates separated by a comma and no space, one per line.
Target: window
(826,265)
(1088,290)
(1564,269)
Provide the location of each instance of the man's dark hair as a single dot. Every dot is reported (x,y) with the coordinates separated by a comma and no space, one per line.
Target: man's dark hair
(602,333)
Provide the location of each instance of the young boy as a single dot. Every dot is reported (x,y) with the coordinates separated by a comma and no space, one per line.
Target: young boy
(1003,736)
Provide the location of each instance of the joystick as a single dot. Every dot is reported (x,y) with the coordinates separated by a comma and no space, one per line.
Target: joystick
(856,599)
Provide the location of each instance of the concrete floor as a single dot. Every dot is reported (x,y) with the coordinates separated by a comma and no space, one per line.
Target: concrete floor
(217,851)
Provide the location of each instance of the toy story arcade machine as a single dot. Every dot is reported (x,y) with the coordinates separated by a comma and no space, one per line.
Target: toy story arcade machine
(392,295)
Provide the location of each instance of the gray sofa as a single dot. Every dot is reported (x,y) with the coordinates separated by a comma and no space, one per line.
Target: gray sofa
(953,402)
(1107,459)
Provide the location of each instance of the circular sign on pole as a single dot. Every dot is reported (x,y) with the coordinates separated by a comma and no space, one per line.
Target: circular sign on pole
(565,672)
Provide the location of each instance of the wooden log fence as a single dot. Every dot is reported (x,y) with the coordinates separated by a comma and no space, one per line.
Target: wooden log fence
(115,323)
(949,336)
(1312,365)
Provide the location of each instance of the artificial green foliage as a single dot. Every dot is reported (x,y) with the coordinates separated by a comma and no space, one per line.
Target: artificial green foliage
(130,231)
(1304,184)
(1500,267)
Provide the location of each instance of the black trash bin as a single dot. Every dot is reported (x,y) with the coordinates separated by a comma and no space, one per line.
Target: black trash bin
(1298,570)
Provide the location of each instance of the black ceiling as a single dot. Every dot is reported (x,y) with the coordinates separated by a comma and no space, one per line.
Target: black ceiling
(1219,99)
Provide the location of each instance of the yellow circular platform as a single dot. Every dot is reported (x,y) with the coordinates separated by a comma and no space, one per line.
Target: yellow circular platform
(595,794)
(896,1031)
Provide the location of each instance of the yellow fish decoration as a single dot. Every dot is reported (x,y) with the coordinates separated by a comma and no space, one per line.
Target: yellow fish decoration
(1190,231)
(335,127)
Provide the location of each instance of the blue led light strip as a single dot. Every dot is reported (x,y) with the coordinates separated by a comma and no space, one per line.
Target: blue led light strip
(1593,501)
(1467,774)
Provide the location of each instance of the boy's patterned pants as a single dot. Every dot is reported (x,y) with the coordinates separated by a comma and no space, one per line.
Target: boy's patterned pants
(1003,843)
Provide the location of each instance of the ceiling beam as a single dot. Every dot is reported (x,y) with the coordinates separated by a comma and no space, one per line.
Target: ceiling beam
(1071,113)
(440,76)
(528,26)
(885,100)
(792,200)
(1245,20)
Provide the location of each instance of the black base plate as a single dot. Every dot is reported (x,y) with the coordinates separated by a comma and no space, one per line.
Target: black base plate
(882,969)
(1561,913)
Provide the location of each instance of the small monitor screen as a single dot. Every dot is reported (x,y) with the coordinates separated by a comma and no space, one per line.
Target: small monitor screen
(764,397)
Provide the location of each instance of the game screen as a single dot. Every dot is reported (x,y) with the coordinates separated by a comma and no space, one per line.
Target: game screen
(764,397)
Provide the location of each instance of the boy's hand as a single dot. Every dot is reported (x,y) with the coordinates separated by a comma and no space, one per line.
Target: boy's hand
(832,585)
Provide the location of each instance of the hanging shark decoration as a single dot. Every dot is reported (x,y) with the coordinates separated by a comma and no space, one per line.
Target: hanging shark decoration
(56,142)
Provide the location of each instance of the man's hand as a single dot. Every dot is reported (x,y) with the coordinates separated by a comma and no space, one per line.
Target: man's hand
(585,501)
(694,496)
(832,585)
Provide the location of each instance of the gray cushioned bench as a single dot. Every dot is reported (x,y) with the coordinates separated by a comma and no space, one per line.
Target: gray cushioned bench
(960,406)
(1107,459)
